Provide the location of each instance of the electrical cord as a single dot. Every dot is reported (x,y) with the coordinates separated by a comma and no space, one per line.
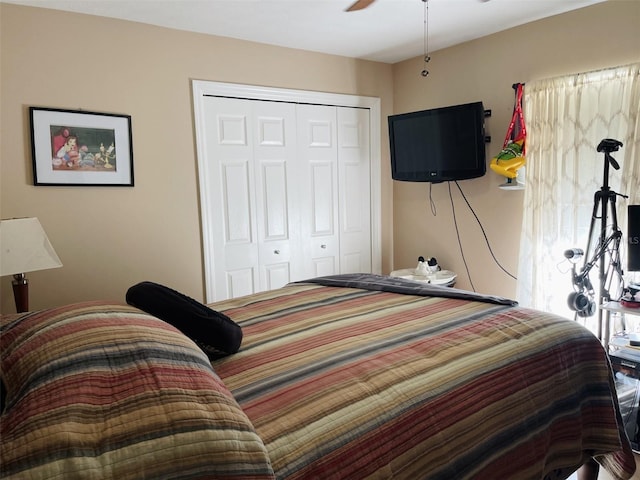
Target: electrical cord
(455,223)
(432,204)
(486,239)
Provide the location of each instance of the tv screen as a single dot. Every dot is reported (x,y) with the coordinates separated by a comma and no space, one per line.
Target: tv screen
(438,145)
(633,238)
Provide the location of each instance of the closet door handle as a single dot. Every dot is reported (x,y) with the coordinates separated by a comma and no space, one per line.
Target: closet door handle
(323,246)
(277,252)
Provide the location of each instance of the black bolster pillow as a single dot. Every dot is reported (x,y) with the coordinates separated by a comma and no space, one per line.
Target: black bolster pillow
(213,331)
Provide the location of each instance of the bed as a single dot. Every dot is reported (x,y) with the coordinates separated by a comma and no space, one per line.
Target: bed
(342,377)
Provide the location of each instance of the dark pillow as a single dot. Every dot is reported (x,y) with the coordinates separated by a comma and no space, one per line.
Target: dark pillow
(213,331)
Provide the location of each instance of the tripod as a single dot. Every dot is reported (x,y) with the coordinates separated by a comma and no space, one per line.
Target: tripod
(606,250)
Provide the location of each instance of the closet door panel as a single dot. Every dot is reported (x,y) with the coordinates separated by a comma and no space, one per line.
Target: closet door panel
(323,266)
(274,157)
(238,242)
(276,275)
(231,228)
(236,203)
(274,244)
(323,212)
(239,282)
(318,201)
(273,204)
(354,190)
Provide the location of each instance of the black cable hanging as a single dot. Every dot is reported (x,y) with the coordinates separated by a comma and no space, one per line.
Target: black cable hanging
(427,58)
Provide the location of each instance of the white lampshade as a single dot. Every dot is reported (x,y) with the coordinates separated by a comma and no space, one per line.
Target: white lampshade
(24,247)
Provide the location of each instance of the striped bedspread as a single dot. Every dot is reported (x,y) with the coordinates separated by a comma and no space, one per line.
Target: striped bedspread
(98,391)
(350,383)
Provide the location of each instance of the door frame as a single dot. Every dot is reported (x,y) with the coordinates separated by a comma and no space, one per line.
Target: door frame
(205,88)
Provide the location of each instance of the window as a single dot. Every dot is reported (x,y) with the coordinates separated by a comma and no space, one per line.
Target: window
(567,117)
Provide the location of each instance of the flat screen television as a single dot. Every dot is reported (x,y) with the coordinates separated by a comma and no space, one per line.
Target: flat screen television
(438,145)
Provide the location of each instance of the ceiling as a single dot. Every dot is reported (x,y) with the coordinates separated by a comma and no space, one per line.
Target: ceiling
(388,31)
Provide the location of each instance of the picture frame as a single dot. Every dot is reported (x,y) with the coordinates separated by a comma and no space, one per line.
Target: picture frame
(80,148)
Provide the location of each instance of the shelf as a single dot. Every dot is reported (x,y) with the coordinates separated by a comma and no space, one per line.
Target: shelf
(617,308)
(511,186)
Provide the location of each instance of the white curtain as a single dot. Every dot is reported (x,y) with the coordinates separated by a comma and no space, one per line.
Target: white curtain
(567,117)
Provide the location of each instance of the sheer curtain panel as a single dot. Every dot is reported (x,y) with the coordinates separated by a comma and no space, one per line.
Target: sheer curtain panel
(567,117)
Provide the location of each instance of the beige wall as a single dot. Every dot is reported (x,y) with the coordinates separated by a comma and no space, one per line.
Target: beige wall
(592,38)
(110,238)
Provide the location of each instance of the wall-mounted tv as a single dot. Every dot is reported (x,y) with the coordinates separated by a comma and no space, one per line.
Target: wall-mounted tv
(438,145)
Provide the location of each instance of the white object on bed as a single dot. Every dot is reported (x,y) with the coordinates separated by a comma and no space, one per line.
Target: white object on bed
(443,277)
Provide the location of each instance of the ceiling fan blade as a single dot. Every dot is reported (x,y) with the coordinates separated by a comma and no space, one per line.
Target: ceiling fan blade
(359,5)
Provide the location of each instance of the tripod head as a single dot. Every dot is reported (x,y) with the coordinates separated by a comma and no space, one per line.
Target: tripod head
(607,146)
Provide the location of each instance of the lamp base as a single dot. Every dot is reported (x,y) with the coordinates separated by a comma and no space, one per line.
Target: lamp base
(21,292)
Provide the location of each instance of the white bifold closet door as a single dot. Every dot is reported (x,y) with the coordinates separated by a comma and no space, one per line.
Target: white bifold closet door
(289,193)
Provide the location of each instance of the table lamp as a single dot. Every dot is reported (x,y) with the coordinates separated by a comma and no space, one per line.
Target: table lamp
(24,247)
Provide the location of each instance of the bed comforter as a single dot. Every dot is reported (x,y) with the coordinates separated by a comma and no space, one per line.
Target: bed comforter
(342,377)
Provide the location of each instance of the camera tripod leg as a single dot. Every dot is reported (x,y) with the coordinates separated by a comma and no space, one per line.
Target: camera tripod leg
(606,253)
(597,200)
(605,249)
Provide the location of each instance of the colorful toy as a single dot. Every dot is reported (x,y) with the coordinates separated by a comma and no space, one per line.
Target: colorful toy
(512,155)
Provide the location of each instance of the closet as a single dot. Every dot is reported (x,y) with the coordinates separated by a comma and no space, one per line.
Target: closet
(286,191)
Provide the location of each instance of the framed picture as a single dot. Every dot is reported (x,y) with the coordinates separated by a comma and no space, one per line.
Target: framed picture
(78,148)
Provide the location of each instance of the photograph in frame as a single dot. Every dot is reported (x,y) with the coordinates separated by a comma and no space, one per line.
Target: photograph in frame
(79,148)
